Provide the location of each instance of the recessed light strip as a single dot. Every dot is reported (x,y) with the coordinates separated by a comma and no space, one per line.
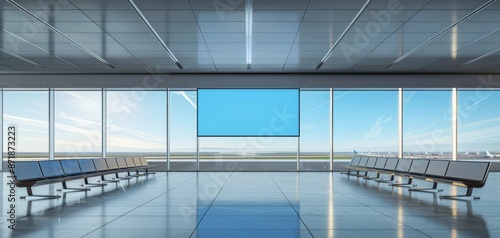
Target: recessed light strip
(343,34)
(20,57)
(248,25)
(440,33)
(481,57)
(38,47)
(138,11)
(15,4)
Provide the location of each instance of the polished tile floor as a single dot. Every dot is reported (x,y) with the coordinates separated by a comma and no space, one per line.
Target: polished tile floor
(253,204)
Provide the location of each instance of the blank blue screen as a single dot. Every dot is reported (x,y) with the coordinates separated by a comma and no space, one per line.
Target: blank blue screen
(248,112)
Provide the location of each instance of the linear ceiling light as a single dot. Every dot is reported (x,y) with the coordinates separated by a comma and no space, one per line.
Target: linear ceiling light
(343,34)
(52,28)
(20,57)
(481,57)
(440,33)
(248,25)
(38,47)
(138,11)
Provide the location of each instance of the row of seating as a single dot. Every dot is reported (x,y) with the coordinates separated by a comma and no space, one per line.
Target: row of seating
(34,173)
(469,174)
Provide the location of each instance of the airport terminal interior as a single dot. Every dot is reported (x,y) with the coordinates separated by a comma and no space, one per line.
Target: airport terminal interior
(250,118)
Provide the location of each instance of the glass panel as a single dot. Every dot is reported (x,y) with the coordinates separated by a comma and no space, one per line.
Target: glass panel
(248,153)
(137,124)
(427,124)
(315,130)
(29,111)
(77,124)
(478,124)
(365,122)
(183,136)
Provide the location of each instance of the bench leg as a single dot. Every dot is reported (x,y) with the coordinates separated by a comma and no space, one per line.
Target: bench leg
(148,173)
(104,180)
(350,172)
(372,178)
(65,187)
(93,184)
(408,184)
(468,194)
(145,173)
(433,189)
(391,180)
(121,178)
(133,175)
(30,194)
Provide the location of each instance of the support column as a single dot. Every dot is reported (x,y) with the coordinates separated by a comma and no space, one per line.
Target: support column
(1,128)
(454,122)
(51,124)
(168,130)
(331,129)
(104,123)
(298,153)
(400,124)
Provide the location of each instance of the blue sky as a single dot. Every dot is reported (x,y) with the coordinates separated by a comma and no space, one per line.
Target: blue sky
(363,120)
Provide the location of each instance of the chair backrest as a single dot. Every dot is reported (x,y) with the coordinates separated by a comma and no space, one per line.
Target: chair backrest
(371,162)
(27,171)
(100,164)
(354,161)
(144,161)
(111,162)
(380,163)
(121,163)
(467,171)
(70,167)
(403,165)
(363,161)
(137,161)
(87,166)
(130,162)
(391,164)
(437,168)
(51,169)
(419,166)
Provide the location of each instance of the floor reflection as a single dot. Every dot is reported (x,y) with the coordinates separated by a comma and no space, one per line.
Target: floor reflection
(254,204)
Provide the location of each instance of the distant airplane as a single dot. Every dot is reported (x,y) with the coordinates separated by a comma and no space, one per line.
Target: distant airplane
(479,154)
(490,155)
(355,152)
(435,155)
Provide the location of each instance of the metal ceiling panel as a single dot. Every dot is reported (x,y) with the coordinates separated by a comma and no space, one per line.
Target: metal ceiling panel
(287,36)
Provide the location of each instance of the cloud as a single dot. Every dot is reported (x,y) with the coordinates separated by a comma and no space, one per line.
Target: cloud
(341,95)
(185,96)
(317,107)
(476,102)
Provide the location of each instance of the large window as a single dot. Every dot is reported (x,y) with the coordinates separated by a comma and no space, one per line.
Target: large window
(427,124)
(136,123)
(315,130)
(78,123)
(183,135)
(365,122)
(29,112)
(478,124)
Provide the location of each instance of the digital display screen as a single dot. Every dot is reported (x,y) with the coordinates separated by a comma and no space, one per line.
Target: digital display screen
(248,112)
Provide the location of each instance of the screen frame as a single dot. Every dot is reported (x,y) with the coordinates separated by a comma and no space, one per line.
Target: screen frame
(229,136)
